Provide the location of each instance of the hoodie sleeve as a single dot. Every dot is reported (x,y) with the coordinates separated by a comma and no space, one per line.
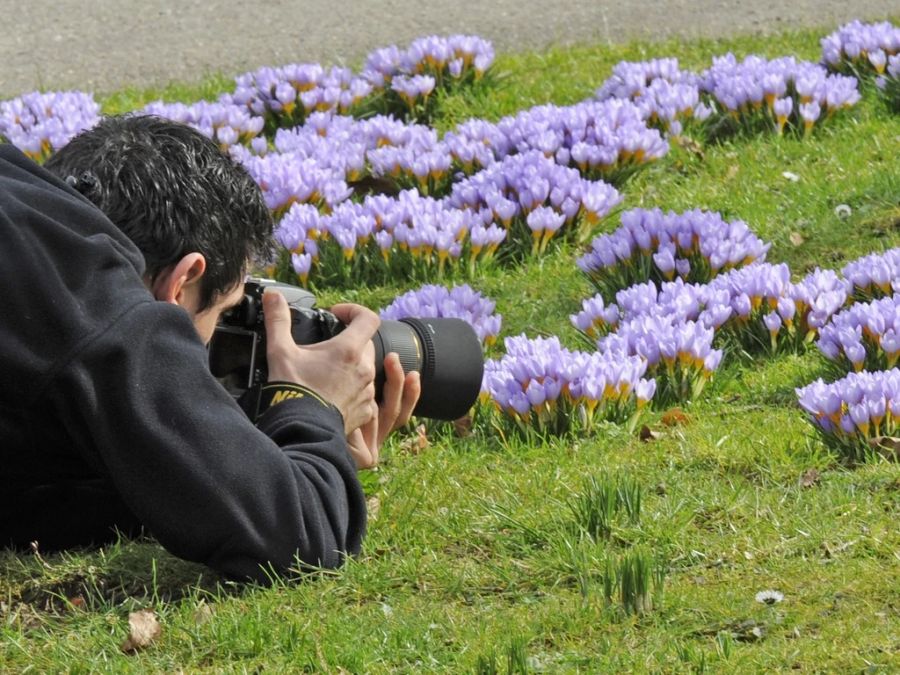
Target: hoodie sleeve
(208,484)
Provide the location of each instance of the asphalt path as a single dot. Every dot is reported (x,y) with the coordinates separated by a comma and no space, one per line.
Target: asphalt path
(105,45)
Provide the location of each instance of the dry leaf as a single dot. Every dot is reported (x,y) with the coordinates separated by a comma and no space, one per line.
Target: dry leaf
(373,506)
(203,613)
(674,417)
(831,551)
(748,631)
(796,238)
(732,171)
(647,434)
(143,629)
(690,145)
(809,478)
(463,426)
(887,446)
(416,443)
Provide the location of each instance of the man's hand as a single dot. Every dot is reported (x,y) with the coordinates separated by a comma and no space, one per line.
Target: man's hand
(399,397)
(341,370)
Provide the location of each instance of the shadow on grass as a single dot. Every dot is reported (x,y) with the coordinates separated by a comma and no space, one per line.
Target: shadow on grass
(129,572)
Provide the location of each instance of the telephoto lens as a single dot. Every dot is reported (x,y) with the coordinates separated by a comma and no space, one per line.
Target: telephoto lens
(446,352)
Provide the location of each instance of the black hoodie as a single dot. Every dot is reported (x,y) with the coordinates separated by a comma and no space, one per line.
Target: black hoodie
(109,416)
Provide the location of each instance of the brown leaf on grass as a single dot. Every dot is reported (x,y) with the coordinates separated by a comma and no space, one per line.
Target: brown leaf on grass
(690,145)
(143,629)
(647,434)
(203,613)
(463,426)
(887,446)
(796,238)
(373,506)
(809,478)
(831,551)
(417,442)
(674,417)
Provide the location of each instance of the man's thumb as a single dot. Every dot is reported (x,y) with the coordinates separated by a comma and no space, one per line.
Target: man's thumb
(278,317)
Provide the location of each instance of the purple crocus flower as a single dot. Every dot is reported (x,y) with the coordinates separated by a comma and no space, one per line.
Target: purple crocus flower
(460,302)
(565,390)
(871,401)
(41,123)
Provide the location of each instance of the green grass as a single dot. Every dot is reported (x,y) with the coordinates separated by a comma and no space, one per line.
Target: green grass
(479,557)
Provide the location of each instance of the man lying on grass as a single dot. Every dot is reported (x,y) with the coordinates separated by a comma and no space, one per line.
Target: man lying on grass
(118,258)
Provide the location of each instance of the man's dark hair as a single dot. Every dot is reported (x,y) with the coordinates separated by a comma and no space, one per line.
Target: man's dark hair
(172,191)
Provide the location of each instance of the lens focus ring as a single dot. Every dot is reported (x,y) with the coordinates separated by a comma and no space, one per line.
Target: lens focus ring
(426,342)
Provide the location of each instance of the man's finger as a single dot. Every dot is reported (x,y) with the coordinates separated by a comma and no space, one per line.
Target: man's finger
(398,397)
(412,390)
(391,396)
(278,320)
(361,323)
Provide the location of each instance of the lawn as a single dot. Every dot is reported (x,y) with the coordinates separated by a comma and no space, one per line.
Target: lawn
(484,553)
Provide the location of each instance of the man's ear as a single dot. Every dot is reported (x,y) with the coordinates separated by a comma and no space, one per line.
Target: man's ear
(180,283)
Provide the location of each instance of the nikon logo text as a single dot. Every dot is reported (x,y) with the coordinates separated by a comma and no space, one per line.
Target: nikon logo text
(285,395)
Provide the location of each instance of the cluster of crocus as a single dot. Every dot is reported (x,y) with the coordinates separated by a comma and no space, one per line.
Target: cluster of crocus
(223,121)
(404,81)
(853,413)
(602,139)
(285,95)
(651,245)
(864,335)
(289,178)
(446,60)
(40,123)
(596,318)
(675,325)
(675,300)
(808,307)
(540,385)
(757,296)
(629,79)
(671,327)
(756,306)
(532,197)
(873,276)
(666,96)
(392,81)
(406,155)
(679,353)
(782,92)
(770,312)
(299,232)
(414,159)
(383,237)
(458,302)
(335,142)
(861,48)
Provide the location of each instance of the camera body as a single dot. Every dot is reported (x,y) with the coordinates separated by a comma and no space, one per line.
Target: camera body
(446,352)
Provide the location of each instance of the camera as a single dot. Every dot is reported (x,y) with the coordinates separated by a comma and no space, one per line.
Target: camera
(446,352)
